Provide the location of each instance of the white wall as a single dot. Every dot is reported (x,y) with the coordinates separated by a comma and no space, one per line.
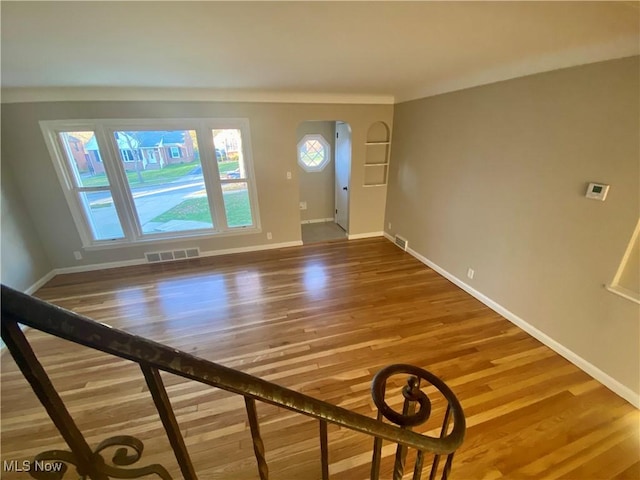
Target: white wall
(494,178)
(24,260)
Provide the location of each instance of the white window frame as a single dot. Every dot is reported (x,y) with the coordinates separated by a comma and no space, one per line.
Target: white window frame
(327,152)
(176,150)
(126,158)
(109,150)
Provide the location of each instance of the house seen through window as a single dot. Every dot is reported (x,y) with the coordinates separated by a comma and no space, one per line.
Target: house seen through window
(162,184)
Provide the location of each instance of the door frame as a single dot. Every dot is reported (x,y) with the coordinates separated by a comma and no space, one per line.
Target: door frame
(338,187)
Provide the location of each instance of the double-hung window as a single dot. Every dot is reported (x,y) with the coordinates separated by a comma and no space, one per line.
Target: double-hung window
(175,152)
(127,155)
(132,181)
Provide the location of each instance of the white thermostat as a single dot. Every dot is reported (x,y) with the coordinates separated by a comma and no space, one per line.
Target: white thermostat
(597,191)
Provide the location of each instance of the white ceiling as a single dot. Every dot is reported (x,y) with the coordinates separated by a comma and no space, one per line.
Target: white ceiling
(380,51)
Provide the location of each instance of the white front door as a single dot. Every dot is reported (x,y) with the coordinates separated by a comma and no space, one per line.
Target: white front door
(343,173)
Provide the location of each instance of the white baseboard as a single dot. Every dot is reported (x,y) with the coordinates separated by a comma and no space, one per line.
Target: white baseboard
(40,282)
(142,261)
(98,266)
(624,293)
(608,381)
(356,236)
(318,220)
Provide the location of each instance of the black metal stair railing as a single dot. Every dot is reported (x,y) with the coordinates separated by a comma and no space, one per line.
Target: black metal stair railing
(18,308)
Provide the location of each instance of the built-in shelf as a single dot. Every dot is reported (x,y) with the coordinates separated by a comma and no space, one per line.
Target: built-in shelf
(377,159)
(624,293)
(626,281)
(375,174)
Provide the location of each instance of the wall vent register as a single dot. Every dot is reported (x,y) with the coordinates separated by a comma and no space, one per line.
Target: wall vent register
(401,242)
(172,255)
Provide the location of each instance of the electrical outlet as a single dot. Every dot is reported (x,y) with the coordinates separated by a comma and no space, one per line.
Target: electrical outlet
(288,175)
(303,205)
(389,225)
(470,273)
(77,255)
(269,236)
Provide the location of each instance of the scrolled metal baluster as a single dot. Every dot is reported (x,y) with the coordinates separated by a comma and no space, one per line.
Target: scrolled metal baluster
(409,417)
(35,374)
(60,457)
(378,387)
(410,392)
(101,469)
(122,457)
(73,327)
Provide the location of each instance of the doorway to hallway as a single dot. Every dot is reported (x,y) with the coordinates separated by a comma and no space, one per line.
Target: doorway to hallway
(322,232)
(324,163)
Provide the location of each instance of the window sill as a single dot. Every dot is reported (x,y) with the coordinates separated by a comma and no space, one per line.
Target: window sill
(624,293)
(159,240)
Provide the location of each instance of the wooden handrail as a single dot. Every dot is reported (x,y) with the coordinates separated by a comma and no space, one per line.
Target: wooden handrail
(24,309)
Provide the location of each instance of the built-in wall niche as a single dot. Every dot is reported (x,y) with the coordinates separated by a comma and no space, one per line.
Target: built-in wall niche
(626,282)
(378,148)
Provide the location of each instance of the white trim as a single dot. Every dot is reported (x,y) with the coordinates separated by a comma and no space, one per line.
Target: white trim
(318,220)
(615,286)
(70,94)
(122,193)
(357,236)
(143,261)
(99,266)
(624,293)
(190,235)
(326,152)
(626,255)
(40,282)
(608,381)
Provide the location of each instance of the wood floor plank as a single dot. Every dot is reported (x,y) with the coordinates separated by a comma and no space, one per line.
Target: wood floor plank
(321,319)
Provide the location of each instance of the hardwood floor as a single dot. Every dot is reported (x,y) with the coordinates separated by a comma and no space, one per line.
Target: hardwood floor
(321,319)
